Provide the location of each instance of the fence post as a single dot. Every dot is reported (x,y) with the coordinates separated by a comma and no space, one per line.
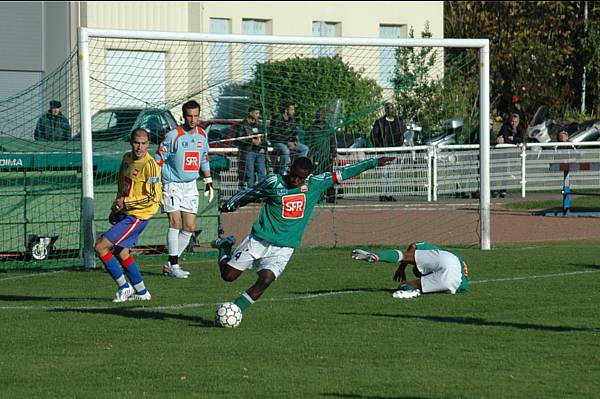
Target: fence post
(435,174)
(523,170)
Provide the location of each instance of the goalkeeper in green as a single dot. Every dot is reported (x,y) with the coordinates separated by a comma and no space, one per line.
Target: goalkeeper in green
(436,269)
(288,203)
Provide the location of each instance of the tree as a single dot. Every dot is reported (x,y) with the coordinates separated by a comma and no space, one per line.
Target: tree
(313,83)
(432,86)
(536,48)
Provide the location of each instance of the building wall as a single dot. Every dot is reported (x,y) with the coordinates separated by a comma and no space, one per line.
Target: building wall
(34,40)
(358,19)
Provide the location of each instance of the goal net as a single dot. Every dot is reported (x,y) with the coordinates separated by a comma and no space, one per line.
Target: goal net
(339,88)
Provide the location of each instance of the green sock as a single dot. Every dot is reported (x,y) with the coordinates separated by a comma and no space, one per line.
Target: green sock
(390,256)
(243,301)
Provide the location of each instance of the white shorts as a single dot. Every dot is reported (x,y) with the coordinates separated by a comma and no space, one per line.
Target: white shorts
(256,254)
(441,270)
(180,197)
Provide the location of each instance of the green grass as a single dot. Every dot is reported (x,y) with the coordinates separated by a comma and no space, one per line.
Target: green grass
(577,203)
(328,328)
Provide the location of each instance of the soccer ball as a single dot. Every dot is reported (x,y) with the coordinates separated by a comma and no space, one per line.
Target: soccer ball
(228,315)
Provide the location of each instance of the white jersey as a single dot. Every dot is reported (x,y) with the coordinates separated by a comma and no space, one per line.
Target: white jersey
(182,155)
(440,269)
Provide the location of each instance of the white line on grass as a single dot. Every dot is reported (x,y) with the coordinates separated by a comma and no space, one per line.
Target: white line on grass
(294,298)
(493,280)
(32,275)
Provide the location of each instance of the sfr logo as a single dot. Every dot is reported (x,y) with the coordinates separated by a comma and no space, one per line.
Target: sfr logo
(293,206)
(191,161)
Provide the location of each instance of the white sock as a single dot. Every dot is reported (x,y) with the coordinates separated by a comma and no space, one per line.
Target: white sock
(173,242)
(184,240)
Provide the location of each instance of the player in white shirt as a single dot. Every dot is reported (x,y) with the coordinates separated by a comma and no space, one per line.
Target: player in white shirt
(436,269)
(182,155)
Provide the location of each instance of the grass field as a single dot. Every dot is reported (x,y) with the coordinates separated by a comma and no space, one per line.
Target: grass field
(329,328)
(581,203)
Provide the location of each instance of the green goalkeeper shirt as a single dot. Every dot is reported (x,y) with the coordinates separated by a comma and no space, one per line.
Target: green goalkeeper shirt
(286,210)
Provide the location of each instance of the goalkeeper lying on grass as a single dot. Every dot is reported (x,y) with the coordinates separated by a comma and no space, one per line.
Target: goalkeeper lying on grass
(436,269)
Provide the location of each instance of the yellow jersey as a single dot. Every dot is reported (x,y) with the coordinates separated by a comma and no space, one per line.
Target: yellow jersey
(140,186)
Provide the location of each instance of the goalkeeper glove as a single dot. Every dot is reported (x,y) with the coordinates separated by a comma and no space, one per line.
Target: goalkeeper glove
(209,191)
(359,254)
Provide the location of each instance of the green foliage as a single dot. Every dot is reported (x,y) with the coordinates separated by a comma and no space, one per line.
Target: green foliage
(313,83)
(431,87)
(591,46)
(536,49)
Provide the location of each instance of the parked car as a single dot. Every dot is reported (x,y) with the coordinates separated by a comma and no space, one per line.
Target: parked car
(116,124)
(220,132)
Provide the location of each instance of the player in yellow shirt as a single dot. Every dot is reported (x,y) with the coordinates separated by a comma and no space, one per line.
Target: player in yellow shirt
(138,199)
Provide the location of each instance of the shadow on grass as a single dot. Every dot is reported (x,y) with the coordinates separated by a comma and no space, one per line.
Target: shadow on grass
(140,314)
(344,290)
(585,266)
(480,322)
(354,396)
(25,298)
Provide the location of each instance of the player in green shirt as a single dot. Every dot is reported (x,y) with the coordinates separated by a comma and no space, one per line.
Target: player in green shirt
(436,269)
(288,203)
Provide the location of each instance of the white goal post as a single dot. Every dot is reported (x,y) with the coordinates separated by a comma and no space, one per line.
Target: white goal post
(84,35)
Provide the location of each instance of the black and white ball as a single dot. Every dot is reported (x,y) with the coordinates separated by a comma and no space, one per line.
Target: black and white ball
(228,315)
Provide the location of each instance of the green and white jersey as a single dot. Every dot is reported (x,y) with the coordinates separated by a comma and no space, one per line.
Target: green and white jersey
(287,210)
(428,264)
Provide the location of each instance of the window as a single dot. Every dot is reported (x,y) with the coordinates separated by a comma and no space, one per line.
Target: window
(325,29)
(387,55)
(253,53)
(135,78)
(220,64)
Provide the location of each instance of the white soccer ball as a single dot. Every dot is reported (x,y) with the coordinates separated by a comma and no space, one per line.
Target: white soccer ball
(228,315)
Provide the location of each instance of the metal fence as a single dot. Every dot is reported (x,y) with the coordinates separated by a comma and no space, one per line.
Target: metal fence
(433,172)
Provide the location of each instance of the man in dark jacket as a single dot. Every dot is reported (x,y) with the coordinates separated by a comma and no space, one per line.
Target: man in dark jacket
(511,131)
(53,125)
(388,131)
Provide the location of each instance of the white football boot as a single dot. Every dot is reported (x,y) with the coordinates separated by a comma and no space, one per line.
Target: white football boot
(359,254)
(123,294)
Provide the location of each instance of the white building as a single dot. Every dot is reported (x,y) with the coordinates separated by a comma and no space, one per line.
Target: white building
(36,37)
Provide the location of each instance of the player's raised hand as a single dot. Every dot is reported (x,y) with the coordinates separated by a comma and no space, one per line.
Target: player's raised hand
(384,161)
(209,191)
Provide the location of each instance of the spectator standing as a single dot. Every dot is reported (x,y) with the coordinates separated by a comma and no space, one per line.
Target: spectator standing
(511,132)
(53,125)
(388,131)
